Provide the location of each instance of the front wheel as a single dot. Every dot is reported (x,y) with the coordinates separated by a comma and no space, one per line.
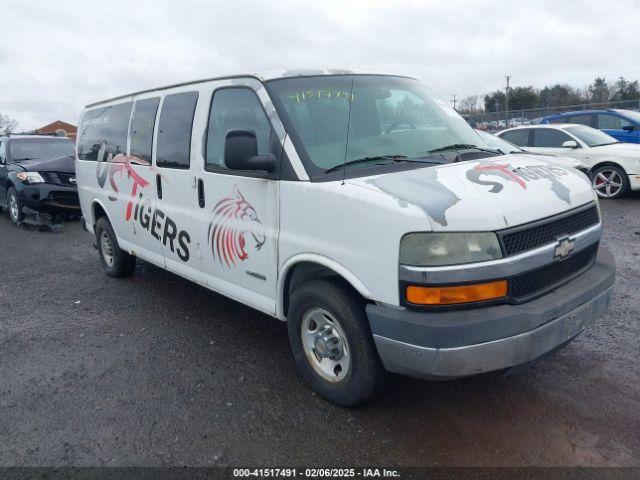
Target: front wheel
(332,344)
(610,181)
(15,206)
(115,261)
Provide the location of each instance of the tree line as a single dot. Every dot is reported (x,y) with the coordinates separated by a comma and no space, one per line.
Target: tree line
(558,95)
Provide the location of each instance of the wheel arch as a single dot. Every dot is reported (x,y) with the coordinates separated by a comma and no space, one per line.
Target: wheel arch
(609,163)
(305,267)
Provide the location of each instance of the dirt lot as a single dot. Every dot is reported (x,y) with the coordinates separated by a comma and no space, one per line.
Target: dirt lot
(154,370)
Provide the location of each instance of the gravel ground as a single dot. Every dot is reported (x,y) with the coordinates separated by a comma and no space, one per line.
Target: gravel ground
(155,370)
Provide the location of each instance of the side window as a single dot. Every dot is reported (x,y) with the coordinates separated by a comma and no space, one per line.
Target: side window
(611,122)
(583,119)
(549,138)
(142,123)
(174,130)
(2,151)
(517,137)
(103,132)
(232,109)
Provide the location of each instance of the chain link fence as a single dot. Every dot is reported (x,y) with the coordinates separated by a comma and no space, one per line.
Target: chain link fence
(506,119)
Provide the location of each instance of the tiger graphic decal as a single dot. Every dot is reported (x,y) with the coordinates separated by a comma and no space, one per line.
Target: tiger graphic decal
(121,164)
(235,222)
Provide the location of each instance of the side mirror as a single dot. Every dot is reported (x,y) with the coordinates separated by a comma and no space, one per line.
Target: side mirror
(241,152)
(570,144)
(628,128)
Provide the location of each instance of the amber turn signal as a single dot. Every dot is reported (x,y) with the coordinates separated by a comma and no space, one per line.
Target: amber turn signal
(478,292)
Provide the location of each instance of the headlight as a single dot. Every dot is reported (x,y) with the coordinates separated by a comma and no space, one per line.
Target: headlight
(435,249)
(30,177)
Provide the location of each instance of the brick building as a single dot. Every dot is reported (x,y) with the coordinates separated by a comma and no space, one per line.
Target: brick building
(68,129)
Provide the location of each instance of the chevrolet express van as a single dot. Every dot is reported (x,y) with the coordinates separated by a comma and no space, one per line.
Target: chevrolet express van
(358,208)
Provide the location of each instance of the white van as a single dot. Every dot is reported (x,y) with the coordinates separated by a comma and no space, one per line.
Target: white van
(358,208)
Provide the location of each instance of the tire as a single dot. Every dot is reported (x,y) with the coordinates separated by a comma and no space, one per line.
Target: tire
(14,206)
(357,375)
(610,181)
(116,262)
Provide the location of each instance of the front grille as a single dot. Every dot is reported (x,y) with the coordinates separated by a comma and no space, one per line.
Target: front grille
(69,199)
(537,281)
(59,178)
(546,231)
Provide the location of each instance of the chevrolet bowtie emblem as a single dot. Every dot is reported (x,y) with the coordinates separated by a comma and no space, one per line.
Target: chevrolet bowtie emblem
(564,248)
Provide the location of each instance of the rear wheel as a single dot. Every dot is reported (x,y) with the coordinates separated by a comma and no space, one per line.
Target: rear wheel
(332,343)
(115,261)
(610,181)
(14,206)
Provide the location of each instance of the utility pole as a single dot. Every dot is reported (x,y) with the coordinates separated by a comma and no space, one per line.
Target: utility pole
(506,101)
(453,100)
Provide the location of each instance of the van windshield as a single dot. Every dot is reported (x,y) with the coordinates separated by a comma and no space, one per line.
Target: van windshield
(382,116)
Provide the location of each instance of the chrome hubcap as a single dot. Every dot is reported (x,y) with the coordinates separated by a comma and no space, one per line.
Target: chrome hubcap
(13,207)
(607,183)
(106,247)
(325,345)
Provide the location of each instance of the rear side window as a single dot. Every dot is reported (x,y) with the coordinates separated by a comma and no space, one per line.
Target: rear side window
(142,123)
(611,122)
(103,132)
(235,109)
(517,137)
(549,138)
(583,119)
(174,130)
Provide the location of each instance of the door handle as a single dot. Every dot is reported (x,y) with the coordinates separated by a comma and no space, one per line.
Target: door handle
(159,185)
(201,193)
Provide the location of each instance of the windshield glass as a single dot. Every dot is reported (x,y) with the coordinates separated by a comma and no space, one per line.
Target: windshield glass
(383,115)
(631,115)
(591,136)
(40,148)
(498,143)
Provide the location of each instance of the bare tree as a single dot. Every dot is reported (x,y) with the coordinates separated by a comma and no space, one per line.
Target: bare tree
(7,124)
(469,104)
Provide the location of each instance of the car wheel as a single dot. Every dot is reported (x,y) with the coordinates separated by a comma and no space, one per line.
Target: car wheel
(332,344)
(14,206)
(610,181)
(115,261)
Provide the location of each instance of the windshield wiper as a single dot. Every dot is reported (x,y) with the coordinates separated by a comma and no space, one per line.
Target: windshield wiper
(394,158)
(461,146)
(25,158)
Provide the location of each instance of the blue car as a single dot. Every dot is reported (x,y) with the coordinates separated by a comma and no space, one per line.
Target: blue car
(623,125)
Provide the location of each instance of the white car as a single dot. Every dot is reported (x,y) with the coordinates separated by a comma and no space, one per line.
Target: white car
(615,166)
(506,147)
(360,209)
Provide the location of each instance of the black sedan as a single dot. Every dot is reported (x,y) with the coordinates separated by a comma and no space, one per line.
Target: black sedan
(37,178)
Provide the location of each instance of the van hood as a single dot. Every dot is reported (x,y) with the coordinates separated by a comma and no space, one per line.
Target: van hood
(60,164)
(485,195)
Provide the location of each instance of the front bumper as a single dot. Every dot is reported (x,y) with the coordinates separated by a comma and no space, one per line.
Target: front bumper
(44,197)
(634,181)
(460,343)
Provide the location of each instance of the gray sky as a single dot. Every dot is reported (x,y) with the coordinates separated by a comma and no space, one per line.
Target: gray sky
(56,57)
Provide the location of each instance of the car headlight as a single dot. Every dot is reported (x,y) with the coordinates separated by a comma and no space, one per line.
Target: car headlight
(436,249)
(30,177)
